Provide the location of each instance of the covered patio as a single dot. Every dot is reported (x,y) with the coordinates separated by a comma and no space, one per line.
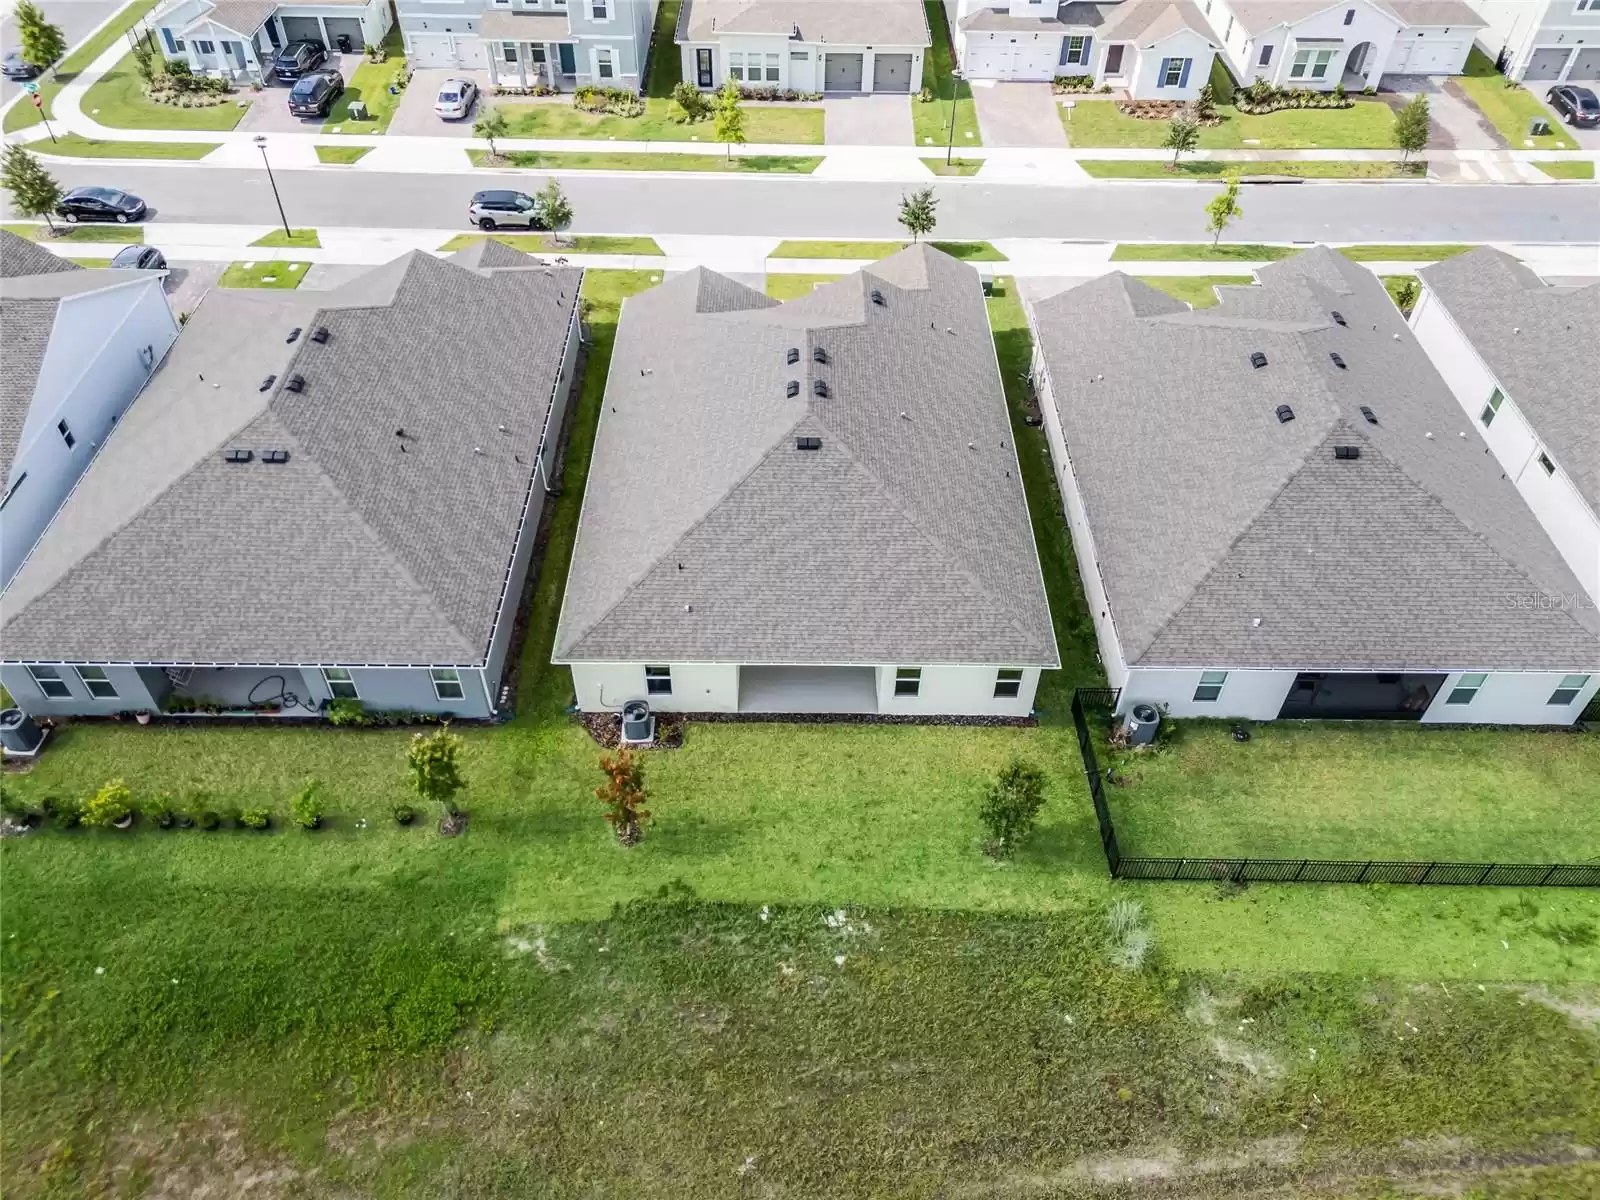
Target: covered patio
(241,689)
(528,50)
(808,690)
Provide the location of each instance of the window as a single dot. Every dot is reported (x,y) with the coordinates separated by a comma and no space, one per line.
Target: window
(509,51)
(1074,50)
(1266,55)
(658,681)
(736,66)
(1571,685)
(1349,16)
(772,68)
(1465,690)
(446,683)
(1007,683)
(340,685)
(1489,409)
(601,10)
(98,683)
(602,63)
(1314,61)
(799,56)
(1587,6)
(1210,686)
(172,42)
(204,47)
(1228,33)
(50,682)
(66,434)
(907,681)
(1174,72)
(1544,461)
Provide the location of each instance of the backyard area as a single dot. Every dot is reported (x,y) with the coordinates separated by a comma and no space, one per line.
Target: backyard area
(1367,124)
(806,980)
(1509,109)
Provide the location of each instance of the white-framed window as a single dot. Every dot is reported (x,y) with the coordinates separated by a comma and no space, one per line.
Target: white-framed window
(205,47)
(907,681)
(1546,462)
(603,66)
(658,681)
(1587,6)
(799,56)
(50,682)
(1489,409)
(173,44)
(509,51)
(1349,16)
(340,685)
(97,682)
(1466,689)
(774,64)
(1312,62)
(1074,50)
(1210,686)
(735,65)
(1266,56)
(66,434)
(1007,683)
(600,10)
(1570,687)
(446,683)
(1173,72)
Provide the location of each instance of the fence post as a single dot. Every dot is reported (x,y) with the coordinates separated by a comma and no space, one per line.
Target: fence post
(1549,871)
(1485,875)
(1362,878)
(1428,872)
(1301,870)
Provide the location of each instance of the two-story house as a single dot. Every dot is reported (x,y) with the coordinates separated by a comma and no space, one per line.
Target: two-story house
(525,43)
(1544,41)
(78,347)
(240,38)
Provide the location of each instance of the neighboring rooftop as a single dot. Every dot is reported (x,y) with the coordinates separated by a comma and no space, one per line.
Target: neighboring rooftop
(1228,536)
(842,22)
(1145,21)
(1259,16)
(1542,344)
(386,535)
(826,481)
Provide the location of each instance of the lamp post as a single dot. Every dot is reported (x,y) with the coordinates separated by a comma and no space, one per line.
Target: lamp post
(955,87)
(261,144)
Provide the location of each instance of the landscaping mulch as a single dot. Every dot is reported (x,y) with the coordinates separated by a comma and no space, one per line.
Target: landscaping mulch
(606,730)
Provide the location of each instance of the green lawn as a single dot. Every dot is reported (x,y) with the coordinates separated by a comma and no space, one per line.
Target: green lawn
(23,114)
(967,251)
(1212,169)
(1405,253)
(1394,285)
(1567,170)
(963,167)
(77,233)
(1248,252)
(542,243)
(1369,124)
(930,123)
(295,237)
(370,84)
(342,156)
(263,275)
(1509,109)
(785,124)
(574,160)
(1194,289)
(74,146)
(117,99)
(792,287)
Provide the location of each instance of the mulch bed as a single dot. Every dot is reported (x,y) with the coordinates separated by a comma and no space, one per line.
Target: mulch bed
(606,728)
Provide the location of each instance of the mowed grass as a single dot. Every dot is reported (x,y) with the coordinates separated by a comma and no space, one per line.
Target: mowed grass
(1196,290)
(563,160)
(76,233)
(1213,169)
(1509,109)
(778,124)
(117,99)
(75,146)
(1368,124)
(792,287)
(369,83)
(930,122)
(1256,252)
(570,243)
(960,167)
(305,238)
(263,275)
(1567,170)
(342,156)
(23,113)
(966,251)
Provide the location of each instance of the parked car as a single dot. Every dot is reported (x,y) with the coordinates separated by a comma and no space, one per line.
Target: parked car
(100,204)
(16,67)
(295,59)
(140,258)
(490,210)
(313,95)
(1578,105)
(456,98)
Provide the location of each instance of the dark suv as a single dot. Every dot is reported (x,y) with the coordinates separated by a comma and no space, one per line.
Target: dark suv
(490,210)
(295,59)
(313,95)
(1577,104)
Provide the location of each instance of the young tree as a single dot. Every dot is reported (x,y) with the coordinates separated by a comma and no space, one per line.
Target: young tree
(730,117)
(1411,126)
(491,124)
(34,191)
(1011,808)
(1183,135)
(557,208)
(623,795)
(42,42)
(917,213)
(434,760)
(1222,211)
(1405,293)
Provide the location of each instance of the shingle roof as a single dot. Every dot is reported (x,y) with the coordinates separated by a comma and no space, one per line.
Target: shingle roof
(510,25)
(1456,13)
(1208,514)
(1543,345)
(842,22)
(1129,20)
(19,256)
(241,16)
(1258,16)
(707,535)
(366,546)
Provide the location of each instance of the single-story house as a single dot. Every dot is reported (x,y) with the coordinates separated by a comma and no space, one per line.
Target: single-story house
(317,497)
(804,45)
(1150,49)
(531,43)
(1523,359)
(78,347)
(240,38)
(809,507)
(1544,42)
(1279,510)
(1320,44)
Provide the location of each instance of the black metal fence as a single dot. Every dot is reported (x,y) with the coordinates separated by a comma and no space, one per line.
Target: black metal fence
(1296,870)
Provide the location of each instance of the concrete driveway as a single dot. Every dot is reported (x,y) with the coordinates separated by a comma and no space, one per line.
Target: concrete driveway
(269,112)
(1017,114)
(1455,122)
(1588,139)
(415,115)
(879,120)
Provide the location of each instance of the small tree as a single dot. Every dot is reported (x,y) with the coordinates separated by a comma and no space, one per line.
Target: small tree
(623,796)
(42,42)
(144,60)
(691,101)
(1183,136)
(557,208)
(1222,211)
(306,807)
(1405,293)
(918,213)
(730,117)
(491,124)
(1011,808)
(1411,126)
(435,763)
(112,804)
(34,191)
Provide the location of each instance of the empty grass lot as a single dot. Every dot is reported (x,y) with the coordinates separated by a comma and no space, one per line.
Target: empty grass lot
(23,114)
(263,275)
(1368,124)
(545,243)
(716,163)
(1195,290)
(342,156)
(1211,169)
(117,99)
(1509,109)
(77,233)
(792,287)
(306,238)
(930,122)
(370,84)
(74,146)
(966,251)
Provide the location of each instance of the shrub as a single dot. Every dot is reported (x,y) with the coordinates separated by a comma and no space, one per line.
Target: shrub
(305,806)
(694,104)
(112,803)
(347,712)
(434,760)
(925,95)
(1072,83)
(1011,807)
(176,68)
(208,819)
(15,807)
(612,101)
(64,812)
(255,818)
(1204,108)
(158,811)
(404,814)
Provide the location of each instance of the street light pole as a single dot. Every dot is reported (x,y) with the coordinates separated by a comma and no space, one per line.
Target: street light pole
(955,87)
(261,144)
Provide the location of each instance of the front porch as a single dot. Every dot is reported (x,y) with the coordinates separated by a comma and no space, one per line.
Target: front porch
(808,690)
(533,64)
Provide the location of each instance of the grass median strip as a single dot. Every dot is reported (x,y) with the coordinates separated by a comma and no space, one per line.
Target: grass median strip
(1212,169)
(264,275)
(1417,253)
(342,156)
(546,243)
(369,84)
(1567,170)
(1253,252)
(963,167)
(71,145)
(806,248)
(579,160)
(77,233)
(930,122)
(23,114)
(303,238)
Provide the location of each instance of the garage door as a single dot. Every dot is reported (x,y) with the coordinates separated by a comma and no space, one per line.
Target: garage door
(1013,60)
(445,50)
(350,27)
(843,73)
(1548,63)
(298,29)
(1429,56)
(891,73)
(1588,64)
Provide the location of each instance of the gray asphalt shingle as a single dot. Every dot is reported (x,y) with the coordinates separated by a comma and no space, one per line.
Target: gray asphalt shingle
(842,22)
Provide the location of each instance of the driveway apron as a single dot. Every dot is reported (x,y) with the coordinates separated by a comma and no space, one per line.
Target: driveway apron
(1017,114)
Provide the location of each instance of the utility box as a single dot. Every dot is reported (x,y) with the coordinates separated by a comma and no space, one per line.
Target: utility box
(358,110)
(19,735)
(1141,723)
(1538,127)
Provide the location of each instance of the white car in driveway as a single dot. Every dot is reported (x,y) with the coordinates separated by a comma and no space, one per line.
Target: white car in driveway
(456,98)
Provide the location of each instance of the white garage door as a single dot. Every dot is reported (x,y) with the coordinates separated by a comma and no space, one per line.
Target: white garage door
(1587,65)
(1547,63)
(1012,60)
(446,50)
(1428,56)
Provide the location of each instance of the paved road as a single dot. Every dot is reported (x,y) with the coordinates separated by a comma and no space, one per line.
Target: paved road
(77,18)
(823,208)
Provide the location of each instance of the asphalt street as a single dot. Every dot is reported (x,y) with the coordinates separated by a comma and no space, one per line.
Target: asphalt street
(77,18)
(790,207)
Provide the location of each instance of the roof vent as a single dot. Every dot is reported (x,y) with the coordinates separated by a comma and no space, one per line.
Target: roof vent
(1372,417)
(877,298)
(793,389)
(267,382)
(1347,451)
(819,355)
(794,355)
(238,456)
(294,335)
(274,456)
(1337,360)
(819,387)
(1258,360)
(297,383)
(1338,318)
(808,443)
(1285,414)
(320,337)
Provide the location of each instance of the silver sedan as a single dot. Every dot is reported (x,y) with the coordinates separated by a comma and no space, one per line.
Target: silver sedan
(456,98)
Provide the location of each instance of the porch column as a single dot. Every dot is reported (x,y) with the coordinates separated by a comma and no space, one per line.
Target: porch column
(1375,70)
(522,63)
(494,67)
(322,24)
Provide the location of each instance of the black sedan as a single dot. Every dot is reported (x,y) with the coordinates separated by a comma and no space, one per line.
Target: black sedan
(100,204)
(16,67)
(1577,104)
(140,258)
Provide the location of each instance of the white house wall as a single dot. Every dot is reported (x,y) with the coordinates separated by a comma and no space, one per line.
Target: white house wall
(1244,52)
(1521,27)
(1246,695)
(1145,83)
(793,74)
(949,691)
(1515,698)
(696,687)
